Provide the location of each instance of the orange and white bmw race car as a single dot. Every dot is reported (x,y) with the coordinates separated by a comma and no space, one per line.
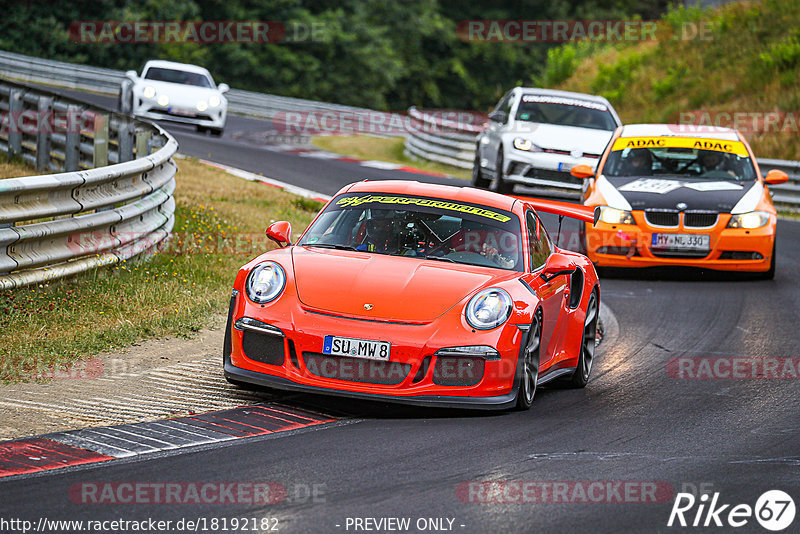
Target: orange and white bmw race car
(672,197)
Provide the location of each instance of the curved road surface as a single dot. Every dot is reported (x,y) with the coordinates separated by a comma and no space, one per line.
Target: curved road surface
(637,421)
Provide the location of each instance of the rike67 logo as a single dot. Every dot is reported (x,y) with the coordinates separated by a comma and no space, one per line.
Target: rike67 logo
(774,510)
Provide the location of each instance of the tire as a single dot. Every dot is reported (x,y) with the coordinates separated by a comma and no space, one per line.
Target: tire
(580,377)
(201,129)
(499,185)
(770,274)
(216,132)
(530,364)
(478,179)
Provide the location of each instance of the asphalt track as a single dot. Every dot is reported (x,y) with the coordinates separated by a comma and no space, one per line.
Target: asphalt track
(636,421)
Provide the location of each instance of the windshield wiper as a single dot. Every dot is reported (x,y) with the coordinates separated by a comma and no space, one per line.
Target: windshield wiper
(441,258)
(330,245)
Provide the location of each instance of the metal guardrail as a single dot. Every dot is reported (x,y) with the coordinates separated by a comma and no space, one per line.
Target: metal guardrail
(432,139)
(785,196)
(457,148)
(114,200)
(108,81)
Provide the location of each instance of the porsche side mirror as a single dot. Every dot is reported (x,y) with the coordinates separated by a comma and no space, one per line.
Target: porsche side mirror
(581,171)
(280,232)
(498,116)
(775,177)
(557,264)
(224,87)
(131,74)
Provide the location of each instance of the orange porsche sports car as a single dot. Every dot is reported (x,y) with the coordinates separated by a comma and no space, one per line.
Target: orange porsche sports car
(417,293)
(669,195)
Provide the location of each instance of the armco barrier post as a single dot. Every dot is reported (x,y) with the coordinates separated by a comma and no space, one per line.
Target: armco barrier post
(125,140)
(72,143)
(142,143)
(14,111)
(43,133)
(100,153)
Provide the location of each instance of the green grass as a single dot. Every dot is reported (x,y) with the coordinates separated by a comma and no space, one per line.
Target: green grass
(746,58)
(220,222)
(390,150)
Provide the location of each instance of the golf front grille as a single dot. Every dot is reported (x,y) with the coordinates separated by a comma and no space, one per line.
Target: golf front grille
(356,369)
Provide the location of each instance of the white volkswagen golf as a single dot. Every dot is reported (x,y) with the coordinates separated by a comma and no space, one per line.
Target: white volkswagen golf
(176,92)
(536,136)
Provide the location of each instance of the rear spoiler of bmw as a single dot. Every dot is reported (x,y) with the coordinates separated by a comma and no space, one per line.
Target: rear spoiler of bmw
(564,209)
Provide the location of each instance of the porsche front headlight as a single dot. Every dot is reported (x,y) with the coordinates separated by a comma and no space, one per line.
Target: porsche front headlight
(750,220)
(214,101)
(488,309)
(149,91)
(201,105)
(614,216)
(265,282)
(163,100)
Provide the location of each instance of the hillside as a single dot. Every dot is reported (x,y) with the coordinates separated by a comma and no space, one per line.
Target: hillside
(744,58)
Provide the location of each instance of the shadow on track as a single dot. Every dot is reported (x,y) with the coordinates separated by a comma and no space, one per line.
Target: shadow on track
(346,408)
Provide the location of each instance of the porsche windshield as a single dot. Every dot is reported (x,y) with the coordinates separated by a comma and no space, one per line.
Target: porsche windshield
(681,162)
(420,227)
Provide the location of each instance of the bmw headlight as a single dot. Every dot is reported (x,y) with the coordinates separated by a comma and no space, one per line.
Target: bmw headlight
(488,309)
(750,220)
(163,100)
(265,282)
(201,105)
(520,143)
(614,216)
(214,101)
(149,91)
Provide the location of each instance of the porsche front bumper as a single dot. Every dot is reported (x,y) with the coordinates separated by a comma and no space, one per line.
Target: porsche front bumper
(288,356)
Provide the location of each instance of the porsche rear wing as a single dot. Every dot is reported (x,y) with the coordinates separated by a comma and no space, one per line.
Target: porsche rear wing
(565,209)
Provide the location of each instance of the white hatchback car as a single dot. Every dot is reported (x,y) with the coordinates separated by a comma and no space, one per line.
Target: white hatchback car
(176,92)
(536,136)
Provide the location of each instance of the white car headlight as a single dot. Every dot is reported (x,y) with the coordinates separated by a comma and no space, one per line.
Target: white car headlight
(753,219)
(520,143)
(214,101)
(265,282)
(488,309)
(201,105)
(614,216)
(149,91)
(163,100)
